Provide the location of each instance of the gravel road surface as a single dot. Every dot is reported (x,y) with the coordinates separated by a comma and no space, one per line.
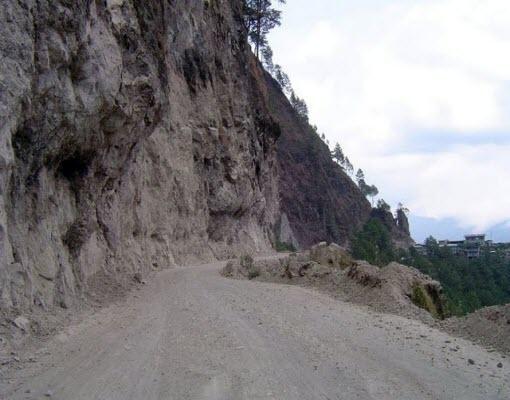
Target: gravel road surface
(189,333)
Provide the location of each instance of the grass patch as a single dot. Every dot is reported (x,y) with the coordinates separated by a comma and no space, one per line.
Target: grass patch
(284,247)
(247,264)
(422,299)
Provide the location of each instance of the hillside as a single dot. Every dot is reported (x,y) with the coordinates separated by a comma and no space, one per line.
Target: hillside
(320,201)
(135,137)
(142,145)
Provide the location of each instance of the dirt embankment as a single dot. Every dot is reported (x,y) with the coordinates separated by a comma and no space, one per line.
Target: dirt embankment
(489,326)
(396,288)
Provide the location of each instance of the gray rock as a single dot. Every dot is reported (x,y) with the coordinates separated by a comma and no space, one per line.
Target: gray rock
(137,277)
(332,256)
(22,323)
(118,157)
(118,154)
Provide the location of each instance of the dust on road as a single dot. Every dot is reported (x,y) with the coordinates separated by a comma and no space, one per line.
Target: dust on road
(192,334)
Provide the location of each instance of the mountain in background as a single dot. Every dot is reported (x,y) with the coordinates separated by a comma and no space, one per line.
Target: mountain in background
(449,228)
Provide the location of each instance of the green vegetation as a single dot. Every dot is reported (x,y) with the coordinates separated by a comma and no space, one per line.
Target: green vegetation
(422,299)
(247,263)
(373,244)
(366,189)
(468,284)
(253,273)
(284,247)
(259,18)
(338,155)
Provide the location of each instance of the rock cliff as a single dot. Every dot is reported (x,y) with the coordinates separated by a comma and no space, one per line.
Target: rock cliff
(318,199)
(140,134)
(134,135)
(398,227)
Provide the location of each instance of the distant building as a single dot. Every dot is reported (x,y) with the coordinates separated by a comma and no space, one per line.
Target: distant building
(478,239)
(471,247)
(455,248)
(473,252)
(420,249)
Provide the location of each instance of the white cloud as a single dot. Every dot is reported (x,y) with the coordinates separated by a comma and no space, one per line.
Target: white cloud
(378,74)
(466,182)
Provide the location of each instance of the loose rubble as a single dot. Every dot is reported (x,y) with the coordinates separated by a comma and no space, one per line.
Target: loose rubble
(395,288)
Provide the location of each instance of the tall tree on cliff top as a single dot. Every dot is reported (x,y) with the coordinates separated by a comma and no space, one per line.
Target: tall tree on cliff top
(366,189)
(283,79)
(338,155)
(259,18)
(299,105)
(349,168)
(360,177)
(267,60)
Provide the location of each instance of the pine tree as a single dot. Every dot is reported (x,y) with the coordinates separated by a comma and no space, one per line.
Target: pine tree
(360,177)
(267,59)
(403,208)
(338,155)
(382,205)
(283,79)
(371,191)
(349,168)
(299,105)
(259,18)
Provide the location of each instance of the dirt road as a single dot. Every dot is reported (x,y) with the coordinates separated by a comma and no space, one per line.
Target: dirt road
(192,334)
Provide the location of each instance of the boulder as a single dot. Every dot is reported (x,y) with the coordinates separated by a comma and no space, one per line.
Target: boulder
(22,323)
(365,274)
(331,255)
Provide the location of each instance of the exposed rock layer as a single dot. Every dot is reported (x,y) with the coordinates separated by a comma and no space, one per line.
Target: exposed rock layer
(139,134)
(320,201)
(398,227)
(134,135)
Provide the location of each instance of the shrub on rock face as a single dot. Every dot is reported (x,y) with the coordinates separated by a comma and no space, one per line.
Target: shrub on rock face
(253,273)
(284,247)
(422,299)
(246,261)
(228,270)
(423,291)
(244,267)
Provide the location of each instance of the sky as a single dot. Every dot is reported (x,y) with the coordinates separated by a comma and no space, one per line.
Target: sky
(417,92)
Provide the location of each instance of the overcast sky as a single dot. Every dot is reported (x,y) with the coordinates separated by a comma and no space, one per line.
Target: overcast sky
(417,92)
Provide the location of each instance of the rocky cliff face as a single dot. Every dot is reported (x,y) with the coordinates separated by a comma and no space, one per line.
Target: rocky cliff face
(398,226)
(142,134)
(134,135)
(319,202)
